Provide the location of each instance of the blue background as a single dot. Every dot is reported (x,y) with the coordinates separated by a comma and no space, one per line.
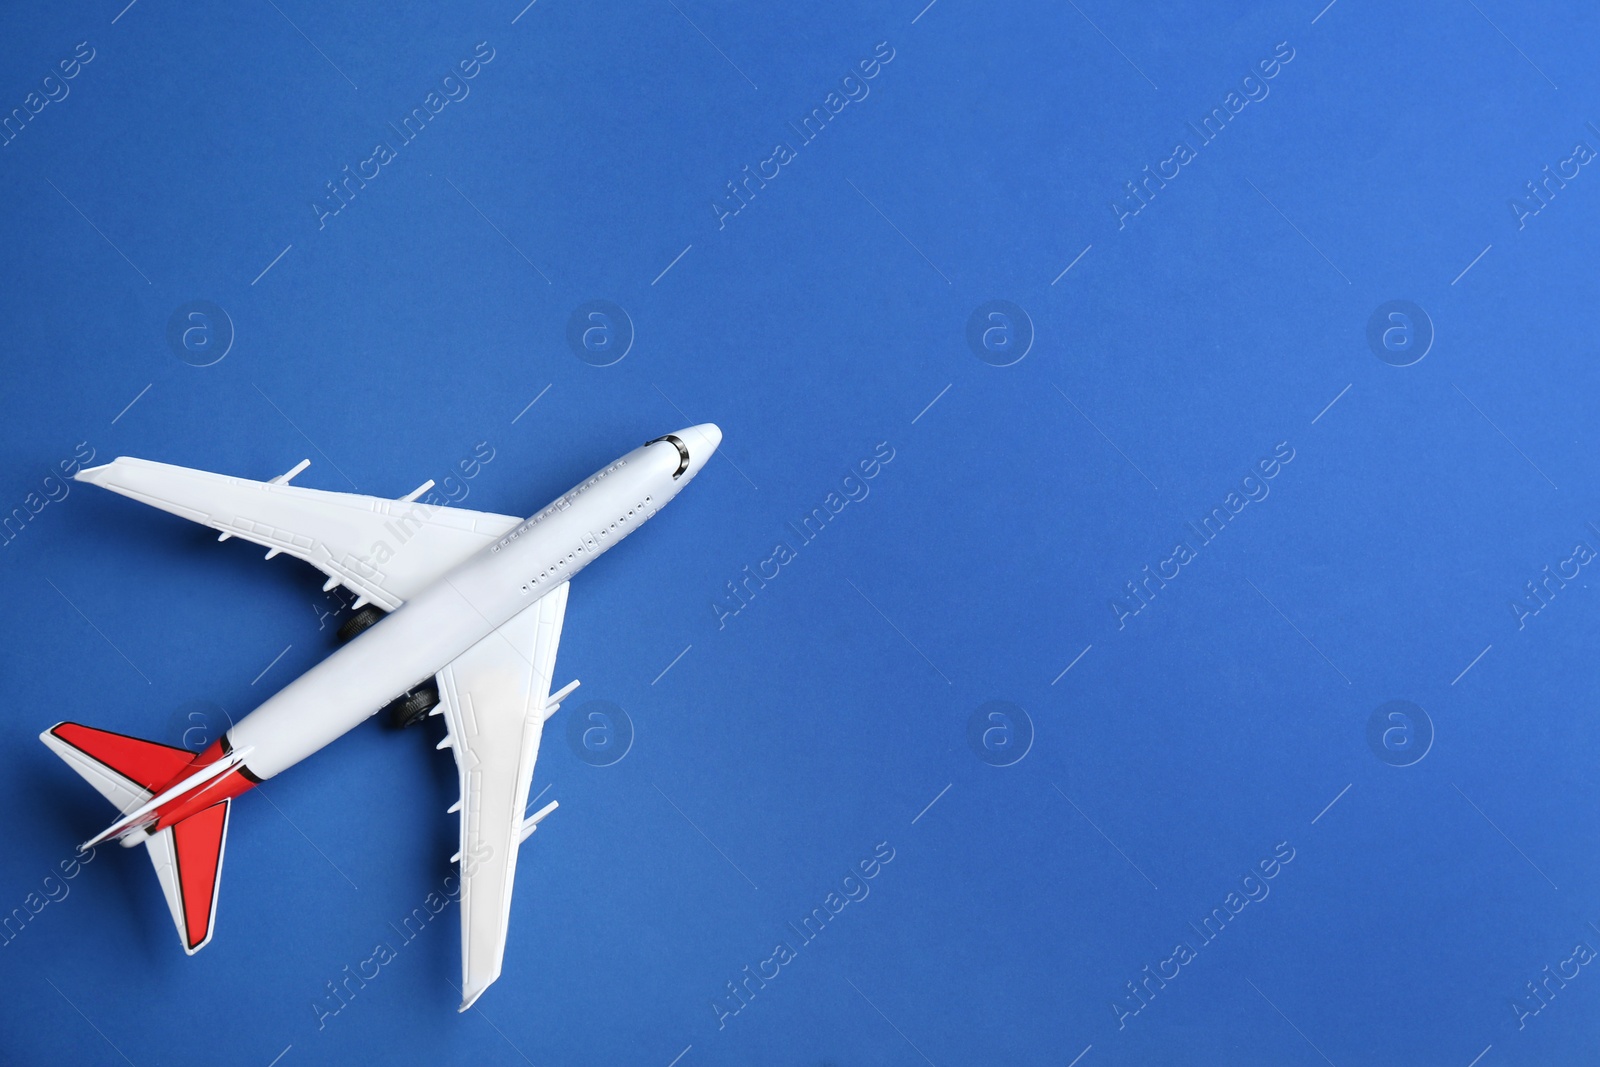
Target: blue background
(1182,747)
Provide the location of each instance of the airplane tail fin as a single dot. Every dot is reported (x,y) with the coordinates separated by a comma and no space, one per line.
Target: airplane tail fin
(187,855)
(126,770)
(188,861)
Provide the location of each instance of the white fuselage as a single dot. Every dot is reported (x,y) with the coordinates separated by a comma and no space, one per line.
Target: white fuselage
(470,602)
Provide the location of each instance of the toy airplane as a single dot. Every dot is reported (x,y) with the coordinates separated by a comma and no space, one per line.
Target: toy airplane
(462,612)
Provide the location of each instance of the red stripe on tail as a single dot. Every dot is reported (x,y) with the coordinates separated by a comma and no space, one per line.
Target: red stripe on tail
(198,842)
(145,763)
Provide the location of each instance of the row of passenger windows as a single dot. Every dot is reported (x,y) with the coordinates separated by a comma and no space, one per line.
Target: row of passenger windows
(571,498)
(560,566)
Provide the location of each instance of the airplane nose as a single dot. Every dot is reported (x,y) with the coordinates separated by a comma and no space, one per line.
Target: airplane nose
(708,432)
(702,441)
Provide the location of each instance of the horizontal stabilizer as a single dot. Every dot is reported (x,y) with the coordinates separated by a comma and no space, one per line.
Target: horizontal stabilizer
(188,861)
(126,770)
(137,775)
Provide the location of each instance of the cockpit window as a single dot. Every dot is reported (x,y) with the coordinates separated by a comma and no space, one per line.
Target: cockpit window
(683,454)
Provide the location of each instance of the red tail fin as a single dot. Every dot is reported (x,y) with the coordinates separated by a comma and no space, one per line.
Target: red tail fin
(188,860)
(187,855)
(122,768)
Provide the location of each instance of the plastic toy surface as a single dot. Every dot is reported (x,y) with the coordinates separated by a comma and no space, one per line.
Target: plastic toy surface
(458,613)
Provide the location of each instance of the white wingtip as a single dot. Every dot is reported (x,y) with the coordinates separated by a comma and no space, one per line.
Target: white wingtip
(469,997)
(93,475)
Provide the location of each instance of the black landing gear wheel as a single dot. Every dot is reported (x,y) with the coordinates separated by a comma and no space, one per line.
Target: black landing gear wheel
(363,619)
(413,708)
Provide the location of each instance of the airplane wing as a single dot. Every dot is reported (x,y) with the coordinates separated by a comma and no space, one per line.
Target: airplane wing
(384,550)
(495,698)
